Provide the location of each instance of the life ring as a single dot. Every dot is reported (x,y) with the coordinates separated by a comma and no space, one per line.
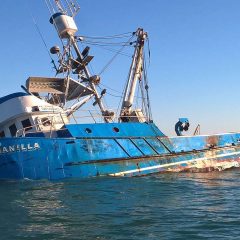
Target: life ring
(182,125)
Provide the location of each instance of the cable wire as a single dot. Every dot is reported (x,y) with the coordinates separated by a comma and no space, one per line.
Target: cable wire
(113,58)
(122,35)
(42,38)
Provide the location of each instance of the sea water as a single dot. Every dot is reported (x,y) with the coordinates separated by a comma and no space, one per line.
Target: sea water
(167,206)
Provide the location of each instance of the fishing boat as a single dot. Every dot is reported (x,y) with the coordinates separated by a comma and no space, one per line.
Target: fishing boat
(40,140)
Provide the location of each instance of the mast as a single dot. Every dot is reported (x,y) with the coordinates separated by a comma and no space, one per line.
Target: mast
(62,18)
(135,75)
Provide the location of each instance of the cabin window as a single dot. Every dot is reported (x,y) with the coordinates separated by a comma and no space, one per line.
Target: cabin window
(2,134)
(13,130)
(27,124)
(46,122)
(35,109)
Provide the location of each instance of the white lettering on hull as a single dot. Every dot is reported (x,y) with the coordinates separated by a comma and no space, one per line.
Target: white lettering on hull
(19,148)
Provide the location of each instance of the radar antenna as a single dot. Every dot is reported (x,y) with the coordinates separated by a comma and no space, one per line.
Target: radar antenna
(71,60)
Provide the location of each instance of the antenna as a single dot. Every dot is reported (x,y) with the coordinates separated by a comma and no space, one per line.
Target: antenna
(67,7)
(71,59)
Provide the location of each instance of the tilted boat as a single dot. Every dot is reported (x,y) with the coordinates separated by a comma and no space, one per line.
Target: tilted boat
(39,141)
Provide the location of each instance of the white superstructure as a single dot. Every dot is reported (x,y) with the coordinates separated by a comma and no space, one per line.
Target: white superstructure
(22,113)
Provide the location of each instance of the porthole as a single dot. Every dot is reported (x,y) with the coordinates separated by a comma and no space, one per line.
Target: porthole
(115,129)
(88,130)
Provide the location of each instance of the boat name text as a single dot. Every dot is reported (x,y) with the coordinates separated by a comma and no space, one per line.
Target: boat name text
(19,148)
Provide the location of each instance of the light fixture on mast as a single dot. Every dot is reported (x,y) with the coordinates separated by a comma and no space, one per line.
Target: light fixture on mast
(62,18)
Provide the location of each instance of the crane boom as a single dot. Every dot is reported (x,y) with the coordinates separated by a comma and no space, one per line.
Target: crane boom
(135,75)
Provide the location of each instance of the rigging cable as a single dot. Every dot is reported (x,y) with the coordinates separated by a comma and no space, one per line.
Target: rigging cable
(147,90)
(119,104)
(69,7)
(122,35)
(149,52)
(113,50)
(104,85)
(42,38)
(49,5)
(102,43)
(113,58)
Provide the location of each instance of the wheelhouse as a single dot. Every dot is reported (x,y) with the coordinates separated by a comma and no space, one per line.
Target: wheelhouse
(24,114)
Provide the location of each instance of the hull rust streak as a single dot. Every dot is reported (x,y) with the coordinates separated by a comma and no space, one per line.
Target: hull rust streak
(37,140)
(134,152)
(198,162)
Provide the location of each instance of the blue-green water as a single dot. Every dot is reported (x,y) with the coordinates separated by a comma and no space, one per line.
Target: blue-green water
(169,206)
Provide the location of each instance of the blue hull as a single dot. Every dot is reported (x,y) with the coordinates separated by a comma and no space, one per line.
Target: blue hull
(124,149)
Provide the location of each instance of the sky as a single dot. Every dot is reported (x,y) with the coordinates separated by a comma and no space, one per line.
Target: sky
(195,54)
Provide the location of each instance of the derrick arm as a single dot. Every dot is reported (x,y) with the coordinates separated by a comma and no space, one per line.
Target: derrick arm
(127,114)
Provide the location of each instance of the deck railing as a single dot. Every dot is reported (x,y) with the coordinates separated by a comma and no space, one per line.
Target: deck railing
(38,127)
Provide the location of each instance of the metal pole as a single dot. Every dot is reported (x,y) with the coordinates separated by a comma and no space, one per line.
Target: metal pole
(88,75)
(134,73)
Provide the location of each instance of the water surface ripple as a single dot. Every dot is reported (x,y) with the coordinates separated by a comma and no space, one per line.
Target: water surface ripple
(168,206)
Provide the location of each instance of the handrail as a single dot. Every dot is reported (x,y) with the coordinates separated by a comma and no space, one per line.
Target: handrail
(22,132)
(36,126)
